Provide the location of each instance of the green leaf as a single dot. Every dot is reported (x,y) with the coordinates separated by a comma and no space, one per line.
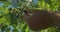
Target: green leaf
(15,30)
(8,30)
(24,28)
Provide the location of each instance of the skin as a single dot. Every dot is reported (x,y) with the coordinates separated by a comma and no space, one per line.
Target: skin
(41,19)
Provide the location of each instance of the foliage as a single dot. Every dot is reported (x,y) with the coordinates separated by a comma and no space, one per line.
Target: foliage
(10,19)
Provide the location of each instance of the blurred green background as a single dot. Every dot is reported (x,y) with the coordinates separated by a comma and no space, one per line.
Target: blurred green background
(11,13)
